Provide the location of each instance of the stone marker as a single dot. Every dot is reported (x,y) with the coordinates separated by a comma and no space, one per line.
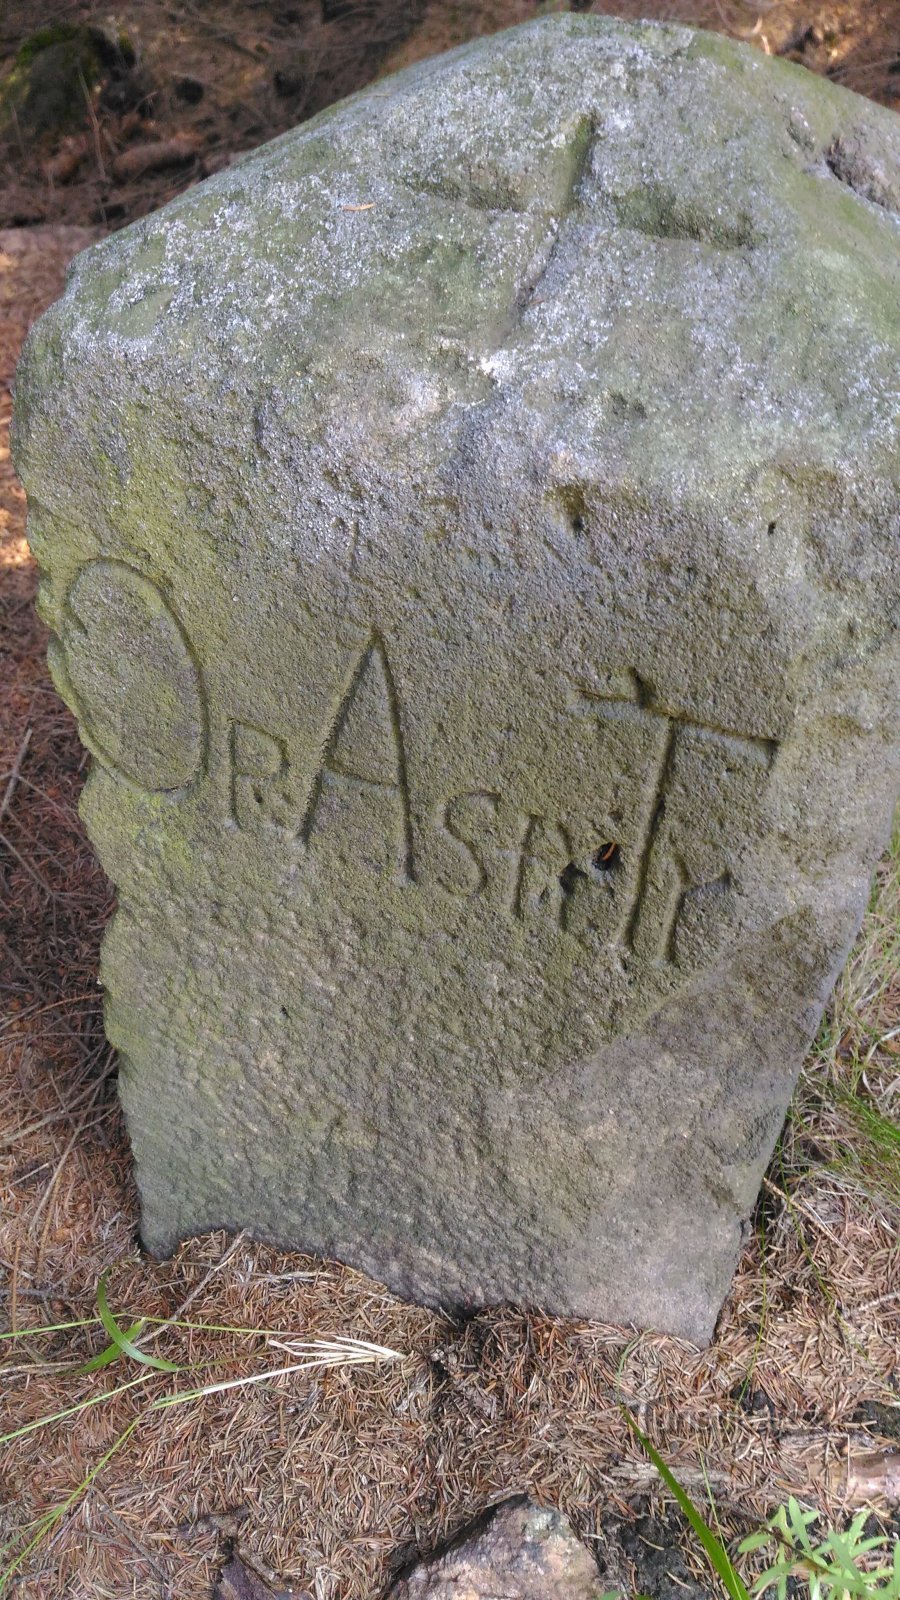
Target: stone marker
(522,1551)
(468,534)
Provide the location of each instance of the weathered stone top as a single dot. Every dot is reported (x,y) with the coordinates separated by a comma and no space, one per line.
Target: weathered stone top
(469,537)
(397,351)
(734,214)
(457,325)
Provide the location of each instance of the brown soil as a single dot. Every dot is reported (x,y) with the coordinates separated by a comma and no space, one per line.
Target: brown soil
(329,1480)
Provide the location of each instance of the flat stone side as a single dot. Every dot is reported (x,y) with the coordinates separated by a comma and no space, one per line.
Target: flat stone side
(469,538)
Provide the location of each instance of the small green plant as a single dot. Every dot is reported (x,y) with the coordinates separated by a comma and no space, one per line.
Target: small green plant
(842,1566)
(307,1355)
(715,1551)
(838,1568)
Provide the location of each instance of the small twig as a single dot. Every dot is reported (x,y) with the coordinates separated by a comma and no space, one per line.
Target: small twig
(869,1305)
(14,774)
(82,1128)
(19,140)
(791,1200)
(882,1039)
(68,813)
(340,1349)
(32,871)
(145,1555)
(286,1277)
(154,1333)
(34,1012)
(33,984)
(20,1134)
(95,126)
(13,1290)
(181,1397)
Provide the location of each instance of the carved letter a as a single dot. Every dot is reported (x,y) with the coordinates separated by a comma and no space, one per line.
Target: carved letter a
(363,747)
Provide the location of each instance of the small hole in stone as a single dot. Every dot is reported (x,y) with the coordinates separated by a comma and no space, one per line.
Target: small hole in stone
(606,858)
(569,877)
(573,504)
(771,528)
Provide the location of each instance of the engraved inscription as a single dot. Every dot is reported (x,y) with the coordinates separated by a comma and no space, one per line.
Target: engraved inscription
(682,875)
(663,891)
(354,790)
(123,661)
(518,861)
(648,865)
(363,762)
(544,847)
(262,787)
(462,819)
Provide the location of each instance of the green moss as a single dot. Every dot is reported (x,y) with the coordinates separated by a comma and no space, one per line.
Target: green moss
(47,88)
(54,71)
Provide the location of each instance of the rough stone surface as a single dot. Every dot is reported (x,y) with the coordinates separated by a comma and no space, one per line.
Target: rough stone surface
(239,1582)
(469,538)
(522,1552)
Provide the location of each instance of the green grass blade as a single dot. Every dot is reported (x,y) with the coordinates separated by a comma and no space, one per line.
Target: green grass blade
(717,1555)
(71,1411)
(48,1522)
(122,1340)
(49,1327)
(113,1352)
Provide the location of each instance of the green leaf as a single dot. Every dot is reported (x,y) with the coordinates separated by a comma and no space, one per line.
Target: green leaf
(798,1522)
(755,1541)
(718,1556)
(774,1575)
(123,1341)
(857,1526)
(111,1353)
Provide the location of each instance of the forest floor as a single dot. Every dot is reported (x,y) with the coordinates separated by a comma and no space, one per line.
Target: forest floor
(327,1480)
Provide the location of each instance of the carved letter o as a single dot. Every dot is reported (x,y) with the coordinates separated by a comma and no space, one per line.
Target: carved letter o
(137,689)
